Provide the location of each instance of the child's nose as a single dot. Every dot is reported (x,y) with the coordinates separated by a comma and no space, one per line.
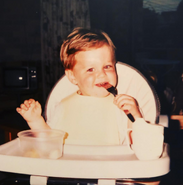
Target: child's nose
(101,73)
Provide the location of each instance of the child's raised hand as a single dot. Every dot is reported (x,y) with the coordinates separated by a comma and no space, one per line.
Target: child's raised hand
(30,110)
(128,104)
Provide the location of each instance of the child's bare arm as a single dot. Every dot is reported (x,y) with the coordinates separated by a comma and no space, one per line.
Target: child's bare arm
(128,104)
(31,110)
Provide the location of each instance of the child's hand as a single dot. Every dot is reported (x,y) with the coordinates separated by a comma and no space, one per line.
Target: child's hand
(30,110)
(128,104)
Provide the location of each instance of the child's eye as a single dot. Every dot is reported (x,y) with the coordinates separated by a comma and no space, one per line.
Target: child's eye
(90,70)
(108,67)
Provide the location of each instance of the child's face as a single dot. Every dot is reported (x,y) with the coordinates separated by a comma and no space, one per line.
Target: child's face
(93,68)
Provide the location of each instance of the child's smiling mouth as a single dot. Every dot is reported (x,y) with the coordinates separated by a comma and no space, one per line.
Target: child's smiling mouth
(104,84)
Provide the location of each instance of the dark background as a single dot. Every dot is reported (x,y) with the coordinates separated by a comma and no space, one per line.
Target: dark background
(139,34)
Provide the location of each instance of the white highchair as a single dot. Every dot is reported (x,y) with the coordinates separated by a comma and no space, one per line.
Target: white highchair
(130,82)
(84,165)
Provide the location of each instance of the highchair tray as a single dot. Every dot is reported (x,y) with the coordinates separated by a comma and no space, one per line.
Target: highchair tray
(91,162)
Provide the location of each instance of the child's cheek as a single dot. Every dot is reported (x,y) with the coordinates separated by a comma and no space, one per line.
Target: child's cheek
(87,82)
(113,77)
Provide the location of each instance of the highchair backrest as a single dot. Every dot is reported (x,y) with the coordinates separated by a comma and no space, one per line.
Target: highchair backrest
(130,82)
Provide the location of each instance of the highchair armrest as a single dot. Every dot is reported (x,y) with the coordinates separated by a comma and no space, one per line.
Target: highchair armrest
(163,120)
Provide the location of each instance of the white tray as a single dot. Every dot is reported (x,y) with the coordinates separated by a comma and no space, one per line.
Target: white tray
(92,162)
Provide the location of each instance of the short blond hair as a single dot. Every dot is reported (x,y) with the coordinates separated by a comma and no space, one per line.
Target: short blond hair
(81,39)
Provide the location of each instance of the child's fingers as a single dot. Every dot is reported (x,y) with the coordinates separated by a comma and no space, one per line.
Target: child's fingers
(26,103)
(121,102)
(126,108)
(38,107)
(23,106)
(122,96)
(31,101)
(126,111)
(37,104)
(128,104)
(20,111)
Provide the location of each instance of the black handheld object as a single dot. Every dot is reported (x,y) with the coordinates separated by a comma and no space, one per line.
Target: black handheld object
(114,91)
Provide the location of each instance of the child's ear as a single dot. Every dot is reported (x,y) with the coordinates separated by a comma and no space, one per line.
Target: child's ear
(70,75)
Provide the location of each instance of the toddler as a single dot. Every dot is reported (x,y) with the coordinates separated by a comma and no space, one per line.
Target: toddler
(90,116)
